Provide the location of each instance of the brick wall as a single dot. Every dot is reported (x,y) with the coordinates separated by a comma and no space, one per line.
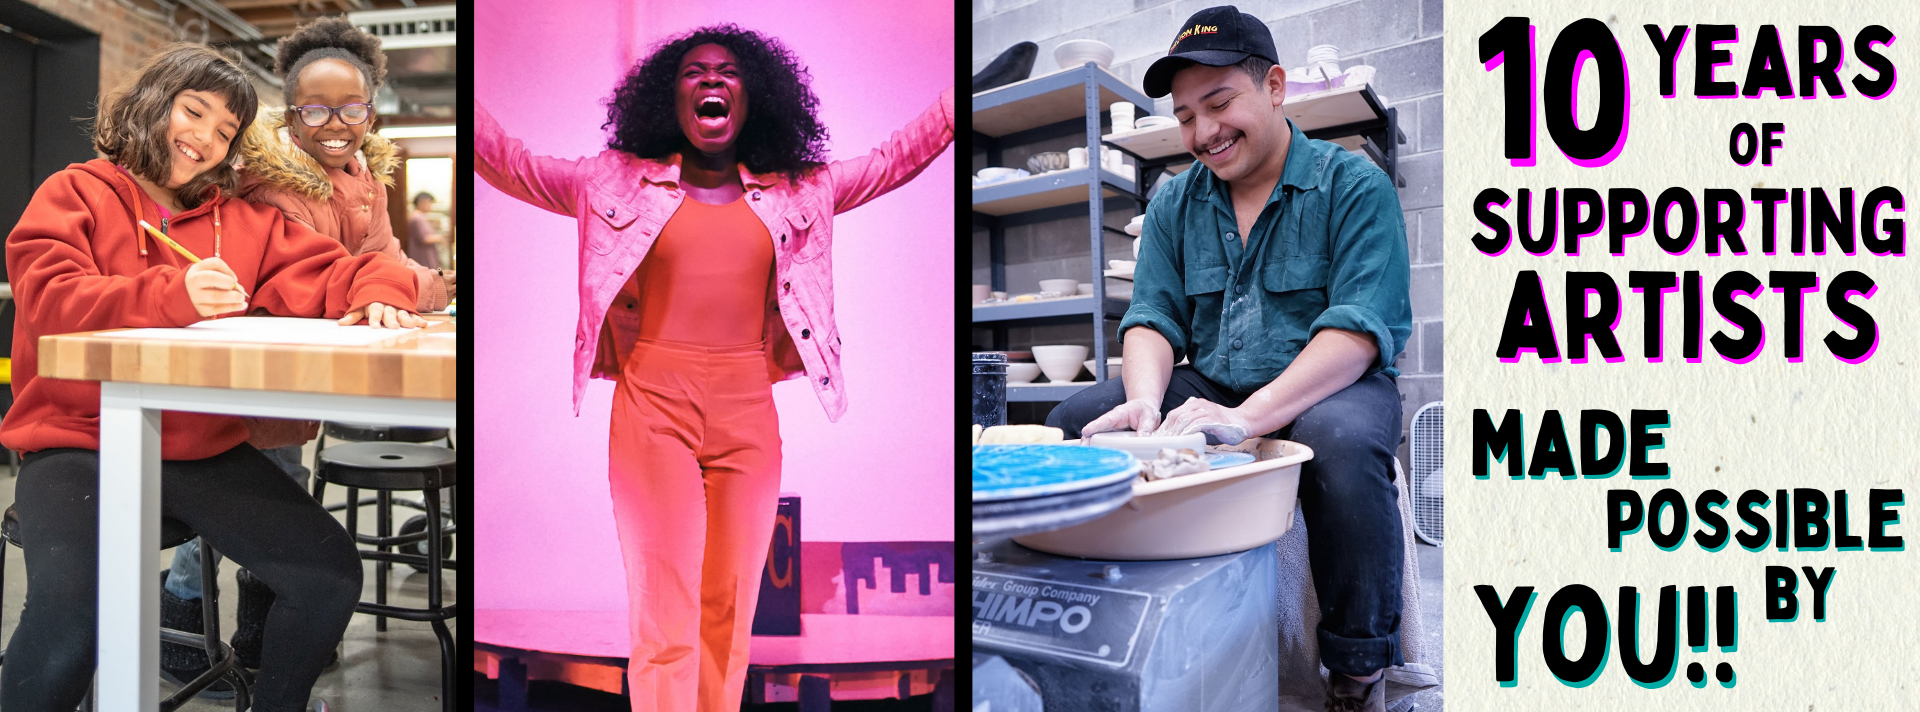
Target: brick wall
(127,37)
(1399,37)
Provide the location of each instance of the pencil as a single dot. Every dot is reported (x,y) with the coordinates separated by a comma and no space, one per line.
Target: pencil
(182,250)
(169,242)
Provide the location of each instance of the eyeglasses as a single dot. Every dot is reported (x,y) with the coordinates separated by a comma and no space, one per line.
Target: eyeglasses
(317,115)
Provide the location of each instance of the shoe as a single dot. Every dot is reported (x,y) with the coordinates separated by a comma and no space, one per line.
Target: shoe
(181,664)
(1345,694)
(1406,680)
(1011,66)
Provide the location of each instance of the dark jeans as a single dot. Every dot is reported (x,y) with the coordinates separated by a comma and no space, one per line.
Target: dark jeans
(242,504)
(1346,495)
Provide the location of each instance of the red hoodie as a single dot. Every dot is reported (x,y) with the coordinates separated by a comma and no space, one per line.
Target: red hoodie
(75,264)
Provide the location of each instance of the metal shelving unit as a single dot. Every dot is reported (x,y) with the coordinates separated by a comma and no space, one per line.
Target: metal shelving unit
(1064,103)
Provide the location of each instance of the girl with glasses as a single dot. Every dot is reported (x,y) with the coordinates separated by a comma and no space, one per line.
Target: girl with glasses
(327,171)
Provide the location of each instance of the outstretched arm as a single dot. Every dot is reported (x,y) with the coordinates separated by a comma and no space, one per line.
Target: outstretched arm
(549,183)
(895,162)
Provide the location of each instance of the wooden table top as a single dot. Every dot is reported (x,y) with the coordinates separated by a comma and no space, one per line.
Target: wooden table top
(409,366)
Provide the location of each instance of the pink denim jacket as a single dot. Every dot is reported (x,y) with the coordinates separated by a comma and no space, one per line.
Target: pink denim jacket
(622,201)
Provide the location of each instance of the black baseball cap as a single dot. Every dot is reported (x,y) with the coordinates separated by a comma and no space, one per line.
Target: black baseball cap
(1216,37)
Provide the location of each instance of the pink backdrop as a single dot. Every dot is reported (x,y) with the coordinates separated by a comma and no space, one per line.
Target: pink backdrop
(544,534)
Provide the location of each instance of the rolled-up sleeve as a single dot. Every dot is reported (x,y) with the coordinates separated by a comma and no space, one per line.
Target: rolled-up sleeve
(1159,293)
(1367,289)
(551,184)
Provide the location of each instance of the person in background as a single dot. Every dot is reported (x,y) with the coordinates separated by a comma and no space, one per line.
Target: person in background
(80,262)
(421,237)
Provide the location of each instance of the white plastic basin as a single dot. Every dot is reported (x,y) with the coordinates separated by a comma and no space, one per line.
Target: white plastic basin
(1208,514)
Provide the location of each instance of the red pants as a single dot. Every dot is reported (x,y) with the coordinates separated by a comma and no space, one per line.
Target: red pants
(695,470)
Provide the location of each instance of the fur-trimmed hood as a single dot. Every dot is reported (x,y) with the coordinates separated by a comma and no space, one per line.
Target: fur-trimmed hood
(271,158)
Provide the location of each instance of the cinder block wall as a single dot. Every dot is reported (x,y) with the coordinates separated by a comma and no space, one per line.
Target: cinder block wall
(1400,37)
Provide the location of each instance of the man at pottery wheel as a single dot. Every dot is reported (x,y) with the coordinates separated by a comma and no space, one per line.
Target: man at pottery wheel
(1278,264)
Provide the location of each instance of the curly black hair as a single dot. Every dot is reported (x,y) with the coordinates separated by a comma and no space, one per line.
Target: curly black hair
(783,132)
(329,38)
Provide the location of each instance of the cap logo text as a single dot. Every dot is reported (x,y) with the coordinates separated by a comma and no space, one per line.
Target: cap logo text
(1191,31)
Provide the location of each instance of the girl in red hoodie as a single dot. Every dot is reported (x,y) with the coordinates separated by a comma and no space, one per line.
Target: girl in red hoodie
(80,262)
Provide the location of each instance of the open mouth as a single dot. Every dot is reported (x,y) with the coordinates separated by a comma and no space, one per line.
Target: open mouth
(711,107)
(1222,148)
(188,151)
(335,146)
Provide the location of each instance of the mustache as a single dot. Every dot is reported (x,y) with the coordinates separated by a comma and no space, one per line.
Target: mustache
(1201,151)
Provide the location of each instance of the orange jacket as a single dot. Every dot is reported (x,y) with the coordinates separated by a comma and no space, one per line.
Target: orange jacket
(75,263)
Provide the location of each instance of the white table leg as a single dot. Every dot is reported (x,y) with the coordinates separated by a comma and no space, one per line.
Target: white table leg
(129,653)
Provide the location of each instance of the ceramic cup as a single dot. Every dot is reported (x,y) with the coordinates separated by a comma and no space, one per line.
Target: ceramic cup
(981,292)
(1122,112)
(999,295)
(1076,158)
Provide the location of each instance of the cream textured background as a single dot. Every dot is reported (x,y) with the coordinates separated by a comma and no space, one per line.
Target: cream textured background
(1764,425)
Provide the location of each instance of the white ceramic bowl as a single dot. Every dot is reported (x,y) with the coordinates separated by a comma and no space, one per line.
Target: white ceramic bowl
(1060,363)
(1113,367)
(1022,372)
(1085,287)
(996,173)
(1205,514)
(1073,53)
(1154,122)
(1059,286)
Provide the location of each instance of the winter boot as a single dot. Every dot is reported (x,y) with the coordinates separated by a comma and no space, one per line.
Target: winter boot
(250,624)
(181,664)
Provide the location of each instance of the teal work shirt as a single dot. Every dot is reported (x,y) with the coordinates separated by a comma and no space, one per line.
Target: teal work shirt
(1328,250)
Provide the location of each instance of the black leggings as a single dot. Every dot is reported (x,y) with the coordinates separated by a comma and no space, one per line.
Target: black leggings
(238,501)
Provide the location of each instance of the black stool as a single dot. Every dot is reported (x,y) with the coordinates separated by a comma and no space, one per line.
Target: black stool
(173,533)
(413,532)
(384,467)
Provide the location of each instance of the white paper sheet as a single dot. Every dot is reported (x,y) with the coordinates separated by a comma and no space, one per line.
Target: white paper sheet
(270,330)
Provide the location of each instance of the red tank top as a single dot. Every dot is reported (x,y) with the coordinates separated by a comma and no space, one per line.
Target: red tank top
(705,280)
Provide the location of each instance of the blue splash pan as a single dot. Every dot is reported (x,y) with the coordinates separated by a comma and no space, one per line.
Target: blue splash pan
(1003,472)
